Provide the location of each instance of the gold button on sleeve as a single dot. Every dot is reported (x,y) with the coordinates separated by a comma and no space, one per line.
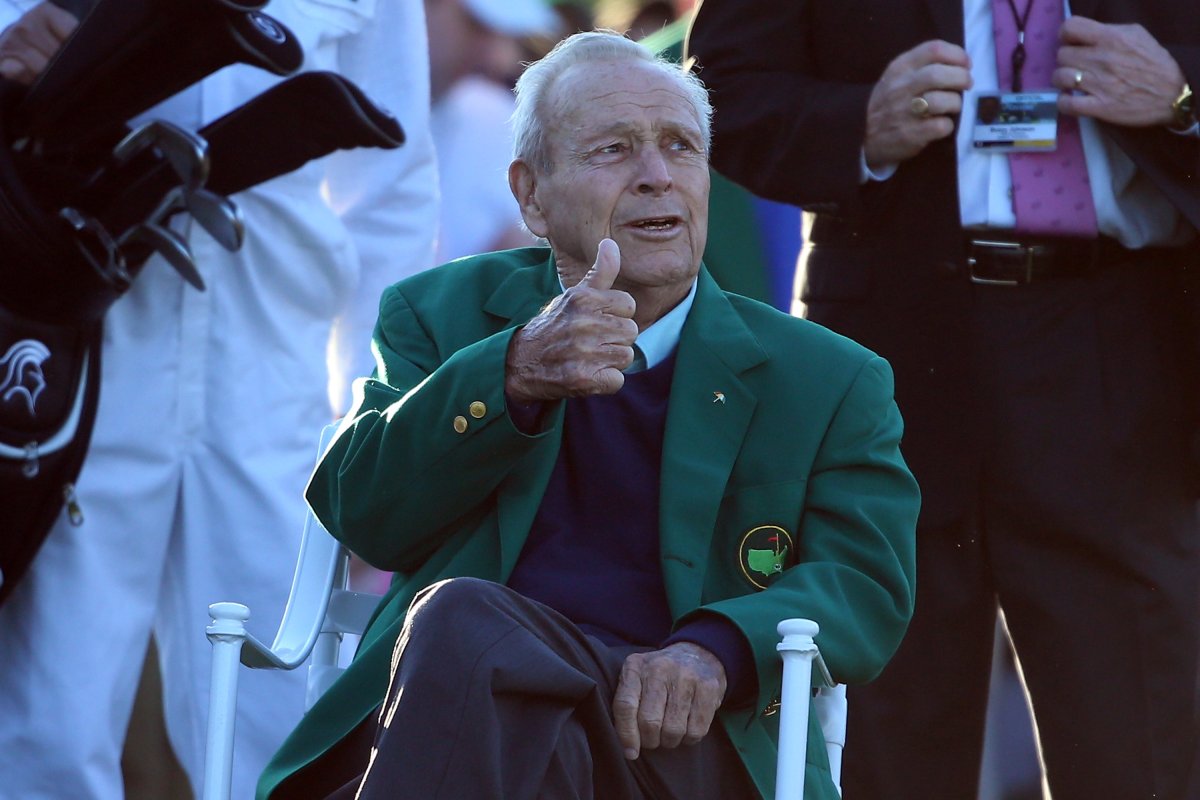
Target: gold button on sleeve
(477,409)
(460,424)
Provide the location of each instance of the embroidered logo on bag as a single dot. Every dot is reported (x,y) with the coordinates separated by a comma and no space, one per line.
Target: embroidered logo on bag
(763,553)
(21,367)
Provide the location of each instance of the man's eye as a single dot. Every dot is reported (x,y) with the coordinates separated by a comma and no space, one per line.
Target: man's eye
(681,145)
(616,147)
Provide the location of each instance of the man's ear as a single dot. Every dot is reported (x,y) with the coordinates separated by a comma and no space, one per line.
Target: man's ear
(523,184)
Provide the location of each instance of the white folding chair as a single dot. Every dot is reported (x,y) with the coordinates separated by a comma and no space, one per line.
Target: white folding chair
(800,656)
(321,611)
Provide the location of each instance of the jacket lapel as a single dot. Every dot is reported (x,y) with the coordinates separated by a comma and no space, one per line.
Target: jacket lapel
(516,300)
(707,416)
(522,294)
(947,16)
(1083,8)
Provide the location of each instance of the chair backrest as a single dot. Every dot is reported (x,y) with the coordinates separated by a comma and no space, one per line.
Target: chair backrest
(320,608)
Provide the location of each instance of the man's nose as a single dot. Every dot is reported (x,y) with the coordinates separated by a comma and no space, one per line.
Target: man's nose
(654,175)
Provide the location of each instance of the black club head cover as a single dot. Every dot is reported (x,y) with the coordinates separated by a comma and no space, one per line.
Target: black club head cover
(128,55)
(304,117)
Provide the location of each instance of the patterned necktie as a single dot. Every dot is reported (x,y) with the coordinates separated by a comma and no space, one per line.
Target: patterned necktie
(1051,192)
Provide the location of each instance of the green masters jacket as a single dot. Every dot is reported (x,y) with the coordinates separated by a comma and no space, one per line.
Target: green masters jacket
(780,437)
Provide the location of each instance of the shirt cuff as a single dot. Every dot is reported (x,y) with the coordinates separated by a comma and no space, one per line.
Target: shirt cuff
(723,639)
(1193,132)
(866,174)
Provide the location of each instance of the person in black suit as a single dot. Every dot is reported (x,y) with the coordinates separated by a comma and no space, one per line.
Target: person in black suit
(1046,379)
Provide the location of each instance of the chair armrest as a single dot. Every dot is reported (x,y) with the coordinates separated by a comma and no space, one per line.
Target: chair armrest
(258,655)
(804,670)
(349,611)
(306,606)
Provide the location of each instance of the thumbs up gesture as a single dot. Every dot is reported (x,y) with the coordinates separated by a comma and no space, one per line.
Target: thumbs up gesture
(580,342)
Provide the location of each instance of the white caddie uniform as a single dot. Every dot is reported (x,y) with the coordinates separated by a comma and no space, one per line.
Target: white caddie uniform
(210,409)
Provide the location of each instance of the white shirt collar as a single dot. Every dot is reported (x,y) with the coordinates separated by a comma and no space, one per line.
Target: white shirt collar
(659,340)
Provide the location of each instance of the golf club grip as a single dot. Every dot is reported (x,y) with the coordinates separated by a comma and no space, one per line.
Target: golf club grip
(97,88)
(386,129)
(305,117)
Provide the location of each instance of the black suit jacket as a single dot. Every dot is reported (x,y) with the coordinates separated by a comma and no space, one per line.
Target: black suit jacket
(885,261)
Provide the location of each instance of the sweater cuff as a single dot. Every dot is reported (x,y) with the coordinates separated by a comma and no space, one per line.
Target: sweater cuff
(526,417)
(723,639)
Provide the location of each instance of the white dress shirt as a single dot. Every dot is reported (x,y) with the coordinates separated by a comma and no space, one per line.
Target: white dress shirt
(659,339)
(1129,207)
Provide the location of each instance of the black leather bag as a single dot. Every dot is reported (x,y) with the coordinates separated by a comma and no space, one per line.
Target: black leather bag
(49,387)
(52,301)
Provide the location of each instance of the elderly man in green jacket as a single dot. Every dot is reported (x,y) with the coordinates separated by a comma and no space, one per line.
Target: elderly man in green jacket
(601,482)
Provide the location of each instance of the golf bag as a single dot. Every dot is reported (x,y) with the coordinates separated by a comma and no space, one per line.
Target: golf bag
(51,305)
(85,201)
(49,388)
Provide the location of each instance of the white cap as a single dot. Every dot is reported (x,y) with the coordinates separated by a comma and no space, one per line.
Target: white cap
(514,17)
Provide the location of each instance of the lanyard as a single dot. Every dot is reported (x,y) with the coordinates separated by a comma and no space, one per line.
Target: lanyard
(1018,53)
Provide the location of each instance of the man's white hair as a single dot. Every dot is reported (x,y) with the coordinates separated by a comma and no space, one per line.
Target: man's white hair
(529,117)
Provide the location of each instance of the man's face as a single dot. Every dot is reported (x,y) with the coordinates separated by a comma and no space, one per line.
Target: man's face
(628,164)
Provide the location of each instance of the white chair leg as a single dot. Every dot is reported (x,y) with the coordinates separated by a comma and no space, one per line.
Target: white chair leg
(227,632)
(798,650)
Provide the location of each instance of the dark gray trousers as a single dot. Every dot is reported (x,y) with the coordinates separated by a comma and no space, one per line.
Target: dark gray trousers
(494,696)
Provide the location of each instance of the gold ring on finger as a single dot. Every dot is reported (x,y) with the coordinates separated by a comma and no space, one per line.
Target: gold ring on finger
(919,107)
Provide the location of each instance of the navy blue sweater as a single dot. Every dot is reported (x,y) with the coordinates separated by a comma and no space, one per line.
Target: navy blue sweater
(593,550)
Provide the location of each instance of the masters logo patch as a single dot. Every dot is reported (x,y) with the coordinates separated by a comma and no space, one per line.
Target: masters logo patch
(764,553)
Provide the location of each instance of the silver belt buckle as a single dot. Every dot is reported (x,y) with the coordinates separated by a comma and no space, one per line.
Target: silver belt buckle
(1018,255)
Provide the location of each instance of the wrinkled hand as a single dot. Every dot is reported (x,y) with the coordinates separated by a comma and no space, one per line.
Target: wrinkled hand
(667,697)
(580,343)
(28,44)
(936,70)
(1128,77)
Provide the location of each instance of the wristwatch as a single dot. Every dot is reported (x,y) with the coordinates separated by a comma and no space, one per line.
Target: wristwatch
(1184,110)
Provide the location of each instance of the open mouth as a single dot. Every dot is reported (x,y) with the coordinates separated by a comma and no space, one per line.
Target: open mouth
(656,223)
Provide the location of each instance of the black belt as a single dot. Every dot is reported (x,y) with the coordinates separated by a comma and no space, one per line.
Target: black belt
(995,261)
